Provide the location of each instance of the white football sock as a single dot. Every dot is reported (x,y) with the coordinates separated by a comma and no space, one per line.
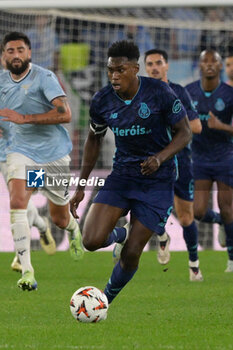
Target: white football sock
(34,219)
(163,238)
(21,235)
(194,263)
(72,227)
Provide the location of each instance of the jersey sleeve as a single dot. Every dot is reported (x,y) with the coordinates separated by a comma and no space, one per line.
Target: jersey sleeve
(97,123)
(51,86)
(172,107)
(189,105)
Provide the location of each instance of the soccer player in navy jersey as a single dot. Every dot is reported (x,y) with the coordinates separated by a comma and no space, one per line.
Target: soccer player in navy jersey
(33,101)
(212,150)
(141,113)
(156,64)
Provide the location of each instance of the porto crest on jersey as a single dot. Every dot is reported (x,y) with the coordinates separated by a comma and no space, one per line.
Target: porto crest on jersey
(219,105)
(144,111)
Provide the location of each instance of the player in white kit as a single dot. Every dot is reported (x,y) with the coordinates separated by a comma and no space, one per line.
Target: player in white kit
(33,101)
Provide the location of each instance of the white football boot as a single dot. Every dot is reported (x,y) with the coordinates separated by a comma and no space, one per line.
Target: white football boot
(195,274)
(163,254)
(229,266)
(116,253)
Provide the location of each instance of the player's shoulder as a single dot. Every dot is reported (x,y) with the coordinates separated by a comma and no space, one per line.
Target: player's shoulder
(103,93)
(4,72)
(225,92)
(179,89)
(43,72)
(4,76)
(226,87)
(175,85)
(157,86)
(193,85)
(152,82)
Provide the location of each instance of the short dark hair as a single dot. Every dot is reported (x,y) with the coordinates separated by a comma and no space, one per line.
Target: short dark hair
(156,51)
(13,36)
(124,48)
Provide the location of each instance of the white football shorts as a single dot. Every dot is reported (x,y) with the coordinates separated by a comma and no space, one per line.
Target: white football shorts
(57,175)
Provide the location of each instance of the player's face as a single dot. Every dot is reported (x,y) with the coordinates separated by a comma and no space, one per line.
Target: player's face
(156,67)
(17,56)
(122,74)
(229,67)
(210,64)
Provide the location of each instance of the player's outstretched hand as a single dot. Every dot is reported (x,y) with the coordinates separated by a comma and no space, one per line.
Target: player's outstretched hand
(74,202)
(150,165)
(12,116)
(214,122)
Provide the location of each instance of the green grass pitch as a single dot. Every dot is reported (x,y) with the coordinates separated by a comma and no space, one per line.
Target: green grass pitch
(157,310)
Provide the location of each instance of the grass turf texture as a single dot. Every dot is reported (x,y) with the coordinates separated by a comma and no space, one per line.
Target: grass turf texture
(156,310)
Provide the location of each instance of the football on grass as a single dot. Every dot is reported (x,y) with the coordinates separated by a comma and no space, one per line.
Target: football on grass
(89,304)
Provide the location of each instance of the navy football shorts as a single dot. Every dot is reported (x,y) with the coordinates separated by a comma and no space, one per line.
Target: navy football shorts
(150,201)
(184,185)
(222,172)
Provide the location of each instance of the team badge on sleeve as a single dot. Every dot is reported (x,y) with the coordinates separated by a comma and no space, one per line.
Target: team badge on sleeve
(176,108)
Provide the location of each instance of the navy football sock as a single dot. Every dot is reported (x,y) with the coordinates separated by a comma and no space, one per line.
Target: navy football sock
(117,235)
(229,239)
(212,216)
(117,281)
(190,235)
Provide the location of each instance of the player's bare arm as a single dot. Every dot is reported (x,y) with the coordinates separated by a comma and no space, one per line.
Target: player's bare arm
(182,136)
(90,155)
(215,123)
(59,114)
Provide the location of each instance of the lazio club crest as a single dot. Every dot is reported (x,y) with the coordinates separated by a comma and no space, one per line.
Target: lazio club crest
(219,105)
(26,87)
(144,111)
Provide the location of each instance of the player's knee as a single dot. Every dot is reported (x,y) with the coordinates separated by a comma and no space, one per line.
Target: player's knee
(199,213)
(186,219)
(60,221)
(91,239)
(91,243)
(18,202)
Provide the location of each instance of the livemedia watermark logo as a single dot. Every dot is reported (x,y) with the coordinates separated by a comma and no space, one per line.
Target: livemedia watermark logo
(48,177)
(35,178)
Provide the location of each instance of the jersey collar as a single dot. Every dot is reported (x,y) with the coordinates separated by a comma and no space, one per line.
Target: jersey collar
(209,93)
(128,102)
(18,81)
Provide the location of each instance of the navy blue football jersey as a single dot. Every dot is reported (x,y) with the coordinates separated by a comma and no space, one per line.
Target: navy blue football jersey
(184,96)
(141,126)
(212,145)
